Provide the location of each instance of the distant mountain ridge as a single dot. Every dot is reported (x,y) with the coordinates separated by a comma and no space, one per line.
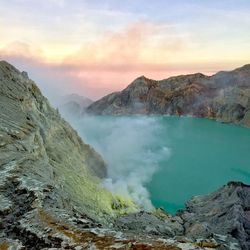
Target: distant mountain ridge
(83,101)
(224,96)
(73,104)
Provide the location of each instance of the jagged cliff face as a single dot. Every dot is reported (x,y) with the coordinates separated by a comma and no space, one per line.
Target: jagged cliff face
(224,96)
(44,165)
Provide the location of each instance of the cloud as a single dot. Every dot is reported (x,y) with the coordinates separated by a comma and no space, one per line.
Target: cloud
(98,67)
(111,61)
(131,46)
(23,50)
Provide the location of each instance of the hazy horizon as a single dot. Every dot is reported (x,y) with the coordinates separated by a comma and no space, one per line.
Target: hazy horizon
(93,48)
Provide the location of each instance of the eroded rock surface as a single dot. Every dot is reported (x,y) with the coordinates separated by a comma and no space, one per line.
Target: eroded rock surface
(222,214)
(44,164)
(218,220)
(224,96)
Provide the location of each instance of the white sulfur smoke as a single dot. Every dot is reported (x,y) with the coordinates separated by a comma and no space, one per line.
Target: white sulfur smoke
(131,148)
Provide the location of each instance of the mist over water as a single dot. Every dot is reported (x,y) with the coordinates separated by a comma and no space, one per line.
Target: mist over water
(163,161)
(130,147)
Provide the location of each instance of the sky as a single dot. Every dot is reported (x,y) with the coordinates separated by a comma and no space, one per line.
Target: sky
(92,47)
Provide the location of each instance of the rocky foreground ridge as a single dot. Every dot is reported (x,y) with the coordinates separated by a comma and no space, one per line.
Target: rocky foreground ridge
(51,195)
(224,96)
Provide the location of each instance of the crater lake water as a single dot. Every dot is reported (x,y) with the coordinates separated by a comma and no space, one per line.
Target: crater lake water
(174,158)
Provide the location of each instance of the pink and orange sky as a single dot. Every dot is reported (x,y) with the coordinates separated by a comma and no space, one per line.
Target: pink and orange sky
(95,47)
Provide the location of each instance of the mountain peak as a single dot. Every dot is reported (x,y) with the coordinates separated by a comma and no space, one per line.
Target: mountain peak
(142,77)
(192,94)
(4,65)
(7,68)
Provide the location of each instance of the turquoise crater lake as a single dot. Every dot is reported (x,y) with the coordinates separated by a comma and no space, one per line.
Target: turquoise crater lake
(205,155)
(202,155)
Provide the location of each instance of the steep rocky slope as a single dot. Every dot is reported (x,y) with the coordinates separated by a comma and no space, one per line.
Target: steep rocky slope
(224,96)
(51,195)
(43,162)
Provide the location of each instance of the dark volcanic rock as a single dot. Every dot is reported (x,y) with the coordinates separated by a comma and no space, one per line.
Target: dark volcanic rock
(221,219)
(224,212)
(224,96)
